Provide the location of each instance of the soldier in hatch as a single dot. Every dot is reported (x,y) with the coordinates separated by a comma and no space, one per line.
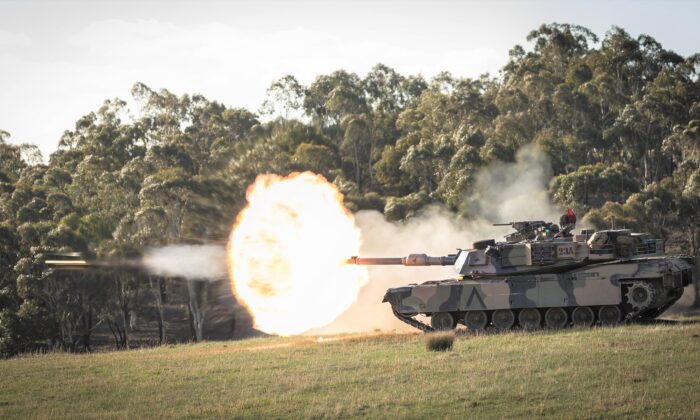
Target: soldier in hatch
(567,222)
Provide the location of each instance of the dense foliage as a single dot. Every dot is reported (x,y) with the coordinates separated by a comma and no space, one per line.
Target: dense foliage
(619,119)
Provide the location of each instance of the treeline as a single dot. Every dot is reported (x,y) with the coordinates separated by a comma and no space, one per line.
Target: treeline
(618,117)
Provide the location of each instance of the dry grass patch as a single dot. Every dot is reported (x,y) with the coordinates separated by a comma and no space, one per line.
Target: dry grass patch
(440,340)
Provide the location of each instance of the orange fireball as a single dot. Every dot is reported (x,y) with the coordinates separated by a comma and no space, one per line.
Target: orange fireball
(288,250)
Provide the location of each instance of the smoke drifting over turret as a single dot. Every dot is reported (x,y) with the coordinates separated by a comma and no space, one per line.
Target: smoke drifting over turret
(193,262)
(504,192)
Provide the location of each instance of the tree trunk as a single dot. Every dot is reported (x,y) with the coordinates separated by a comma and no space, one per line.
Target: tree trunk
(119,334)
(370,168)
(190,316)
(356,155)
(87,330)
(112,328)
(124,306)
(694,242)
(158,290)
(646,169)
(198,292)
(696,283)
(125,323)
(696,275)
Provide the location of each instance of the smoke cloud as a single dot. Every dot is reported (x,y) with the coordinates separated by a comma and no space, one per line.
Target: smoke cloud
(504,192)
(508,192)
(193,262)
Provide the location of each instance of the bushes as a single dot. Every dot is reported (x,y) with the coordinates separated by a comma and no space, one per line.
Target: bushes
(439,341)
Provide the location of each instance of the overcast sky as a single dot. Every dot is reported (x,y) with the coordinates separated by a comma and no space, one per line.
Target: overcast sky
(60,60)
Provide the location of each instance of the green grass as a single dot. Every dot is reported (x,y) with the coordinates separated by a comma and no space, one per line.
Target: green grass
(631,371)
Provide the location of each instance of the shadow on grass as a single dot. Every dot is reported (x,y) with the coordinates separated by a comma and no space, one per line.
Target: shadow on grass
(668,321)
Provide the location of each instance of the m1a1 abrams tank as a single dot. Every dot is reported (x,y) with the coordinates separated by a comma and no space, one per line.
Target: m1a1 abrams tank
(544,276)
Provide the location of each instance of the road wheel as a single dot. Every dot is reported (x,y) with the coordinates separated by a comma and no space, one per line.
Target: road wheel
(583,316)
(530,319)
(503,319)
(556,318)
(476,320)
(609,315)
(442,321)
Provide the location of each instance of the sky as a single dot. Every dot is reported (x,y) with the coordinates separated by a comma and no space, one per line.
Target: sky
(60,60)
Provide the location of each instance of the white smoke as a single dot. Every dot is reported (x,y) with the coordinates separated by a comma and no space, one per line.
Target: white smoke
(193,262)
(509,192)
(504,192)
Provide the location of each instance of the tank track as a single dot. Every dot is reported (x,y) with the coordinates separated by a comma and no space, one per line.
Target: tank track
(632,316)
(412,322)
(629,318)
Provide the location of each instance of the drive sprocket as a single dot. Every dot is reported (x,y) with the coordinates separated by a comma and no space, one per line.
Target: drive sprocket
(640,295)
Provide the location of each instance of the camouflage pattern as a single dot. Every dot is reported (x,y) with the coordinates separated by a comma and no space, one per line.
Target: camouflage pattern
(601,270)
(593,285)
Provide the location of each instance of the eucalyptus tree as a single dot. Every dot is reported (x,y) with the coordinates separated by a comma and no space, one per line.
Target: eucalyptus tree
(439,131)
(10,329)
(683,147)
(591,186)
(59,303)
(190,141)
(358,147)
(284,99)
(317,158)
(330,97)
(643,124)
(689,215)
(387,94)
(654,210)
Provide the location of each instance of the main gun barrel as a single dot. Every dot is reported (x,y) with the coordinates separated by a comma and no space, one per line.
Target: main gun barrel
(411,260)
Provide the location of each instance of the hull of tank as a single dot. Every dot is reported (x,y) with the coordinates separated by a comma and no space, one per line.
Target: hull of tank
(595,286)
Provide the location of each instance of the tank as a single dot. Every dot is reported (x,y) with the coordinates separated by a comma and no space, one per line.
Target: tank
(543,276)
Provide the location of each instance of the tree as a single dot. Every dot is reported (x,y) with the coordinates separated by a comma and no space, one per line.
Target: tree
(330,97)
(314,157)
(358,147)
(594,185)
(689,213)
(285,97)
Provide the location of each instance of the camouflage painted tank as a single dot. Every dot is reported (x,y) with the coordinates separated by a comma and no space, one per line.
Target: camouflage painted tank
(544,276)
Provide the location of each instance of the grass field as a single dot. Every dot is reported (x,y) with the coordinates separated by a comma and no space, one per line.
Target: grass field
(630,371)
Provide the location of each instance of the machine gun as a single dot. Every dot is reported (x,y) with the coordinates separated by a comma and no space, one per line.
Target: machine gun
(528,229)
